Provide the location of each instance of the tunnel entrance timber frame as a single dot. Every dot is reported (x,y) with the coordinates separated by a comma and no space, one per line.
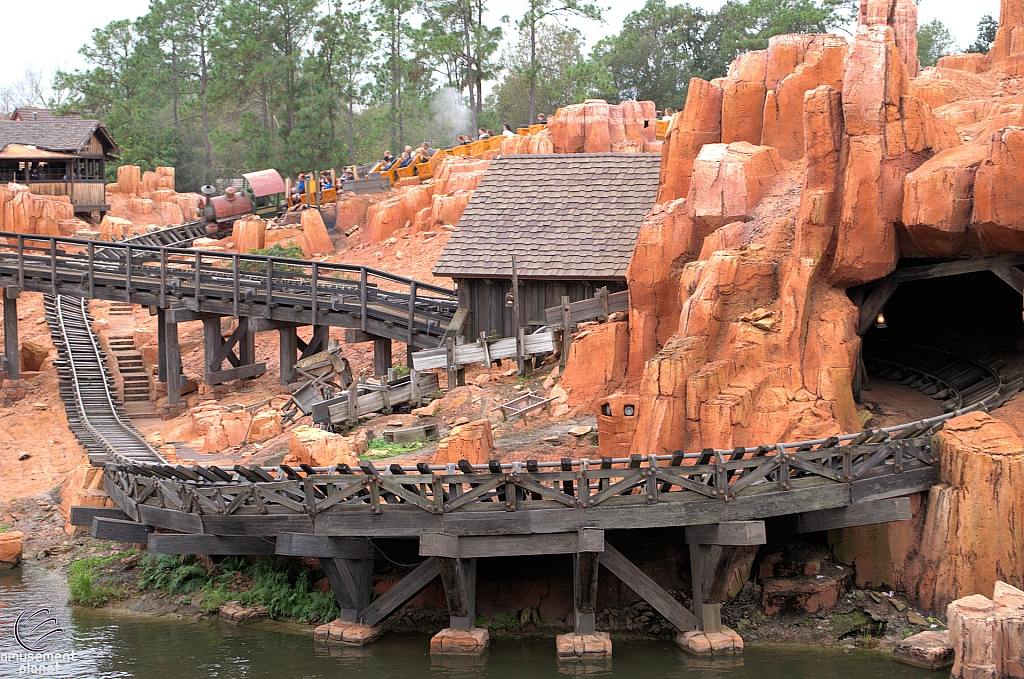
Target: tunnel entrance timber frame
(872,297)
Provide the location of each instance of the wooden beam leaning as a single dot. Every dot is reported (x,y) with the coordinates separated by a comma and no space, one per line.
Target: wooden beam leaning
(459,578)
(474,546)
(351,581)
(407,588)
(218,545)
(83,516)
(866,514)
(727,533)
(120,531)
(648,589)
(1013,277)
(875,303)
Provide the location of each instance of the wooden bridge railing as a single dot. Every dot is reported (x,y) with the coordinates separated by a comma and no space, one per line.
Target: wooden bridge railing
(236,284)
(520,486)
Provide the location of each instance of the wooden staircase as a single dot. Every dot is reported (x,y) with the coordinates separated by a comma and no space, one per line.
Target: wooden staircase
(133,372)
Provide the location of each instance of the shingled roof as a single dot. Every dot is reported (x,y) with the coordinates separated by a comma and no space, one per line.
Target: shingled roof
(65,135)
(565,216)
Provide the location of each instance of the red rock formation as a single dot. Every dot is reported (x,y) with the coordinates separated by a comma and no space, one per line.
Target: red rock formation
(699,123)
(972,62)
(1008,49)
(598,359)
(988,635)
(319,448)
(938,199)
(473,442)
(901,16)
(998,203)
(729,180)
(249,235)
(315,240)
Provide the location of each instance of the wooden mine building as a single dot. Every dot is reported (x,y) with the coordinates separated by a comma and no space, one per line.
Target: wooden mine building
(57,156)
(572,222)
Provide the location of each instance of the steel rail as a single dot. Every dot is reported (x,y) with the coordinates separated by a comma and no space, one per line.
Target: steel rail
(86,413)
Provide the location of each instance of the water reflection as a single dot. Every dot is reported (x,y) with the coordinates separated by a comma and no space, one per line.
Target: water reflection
(112,646)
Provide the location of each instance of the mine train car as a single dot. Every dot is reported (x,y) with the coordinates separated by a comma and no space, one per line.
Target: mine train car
(262,194)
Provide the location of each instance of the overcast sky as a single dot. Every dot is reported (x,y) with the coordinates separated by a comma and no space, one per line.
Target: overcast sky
(67,24)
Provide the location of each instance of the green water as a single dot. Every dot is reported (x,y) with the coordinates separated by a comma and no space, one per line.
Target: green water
(113,645)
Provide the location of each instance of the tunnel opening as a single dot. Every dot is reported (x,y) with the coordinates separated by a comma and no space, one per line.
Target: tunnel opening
(939,344)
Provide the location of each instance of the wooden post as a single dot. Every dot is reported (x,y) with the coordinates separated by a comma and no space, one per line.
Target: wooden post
(459,578)
(173,364)
(520,348)
(701,559)
(212,343)
(247,344)
(161,345)
(11,295)
(585,591)
(566,328)
(449,347)
(289,352)
(353,403)
(602,294)
(350,580)
(382,361)
(414,388)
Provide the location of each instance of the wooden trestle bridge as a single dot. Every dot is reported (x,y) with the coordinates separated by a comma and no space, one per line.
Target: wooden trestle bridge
(458,513)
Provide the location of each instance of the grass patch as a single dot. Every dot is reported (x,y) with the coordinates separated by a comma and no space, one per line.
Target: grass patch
(401,371)
(380,449)
(280,584)
(87,585)
(4,529)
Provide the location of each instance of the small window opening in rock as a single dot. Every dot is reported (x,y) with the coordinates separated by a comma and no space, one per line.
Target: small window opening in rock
(629,411)
(606,410)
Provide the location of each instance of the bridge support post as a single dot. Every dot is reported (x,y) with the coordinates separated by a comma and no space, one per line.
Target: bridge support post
(460,637)
(351,581)
(289,350)
(585,592)
(161,345)
(173,364)
(382,360)
(13,365)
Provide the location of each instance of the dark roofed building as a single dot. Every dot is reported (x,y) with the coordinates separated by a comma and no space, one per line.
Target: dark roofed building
(58,156)
(35,113)
(571,220)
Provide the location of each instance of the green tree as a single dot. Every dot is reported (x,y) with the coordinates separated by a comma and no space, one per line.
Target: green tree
(987,28)
(933,41)
(391,22)
(565,76)
(657,52)
(531,23)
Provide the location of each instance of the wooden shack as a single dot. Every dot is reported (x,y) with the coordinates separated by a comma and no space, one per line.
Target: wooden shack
(572,222)
(58,156)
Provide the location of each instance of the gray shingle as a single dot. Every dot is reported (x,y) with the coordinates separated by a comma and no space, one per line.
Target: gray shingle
(563,216)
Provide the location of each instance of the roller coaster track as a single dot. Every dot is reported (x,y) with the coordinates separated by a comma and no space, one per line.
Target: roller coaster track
(95,414)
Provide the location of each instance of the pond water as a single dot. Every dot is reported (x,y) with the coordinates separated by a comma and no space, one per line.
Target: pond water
(106,645)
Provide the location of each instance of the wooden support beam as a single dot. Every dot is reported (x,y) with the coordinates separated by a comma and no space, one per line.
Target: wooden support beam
(318,342)
(120,530)
(585,591)
(324,546)
(173,360)
(217,545)
(1013,277)
(473,546)
(187,315)
(161,344)
(288,354)
(83,516)
(260,324)
(13,363)
(242,372)
(648,589)
(727,533)
(875,303)
(351,581)
(356,336)
(919,273)
(382,361)
(866,514)
(459,578)
(406,589)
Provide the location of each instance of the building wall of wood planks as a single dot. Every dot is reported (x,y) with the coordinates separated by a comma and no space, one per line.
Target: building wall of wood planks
(489,314)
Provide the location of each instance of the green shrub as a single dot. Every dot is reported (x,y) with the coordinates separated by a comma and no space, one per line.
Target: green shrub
(380,449)
(290,251)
